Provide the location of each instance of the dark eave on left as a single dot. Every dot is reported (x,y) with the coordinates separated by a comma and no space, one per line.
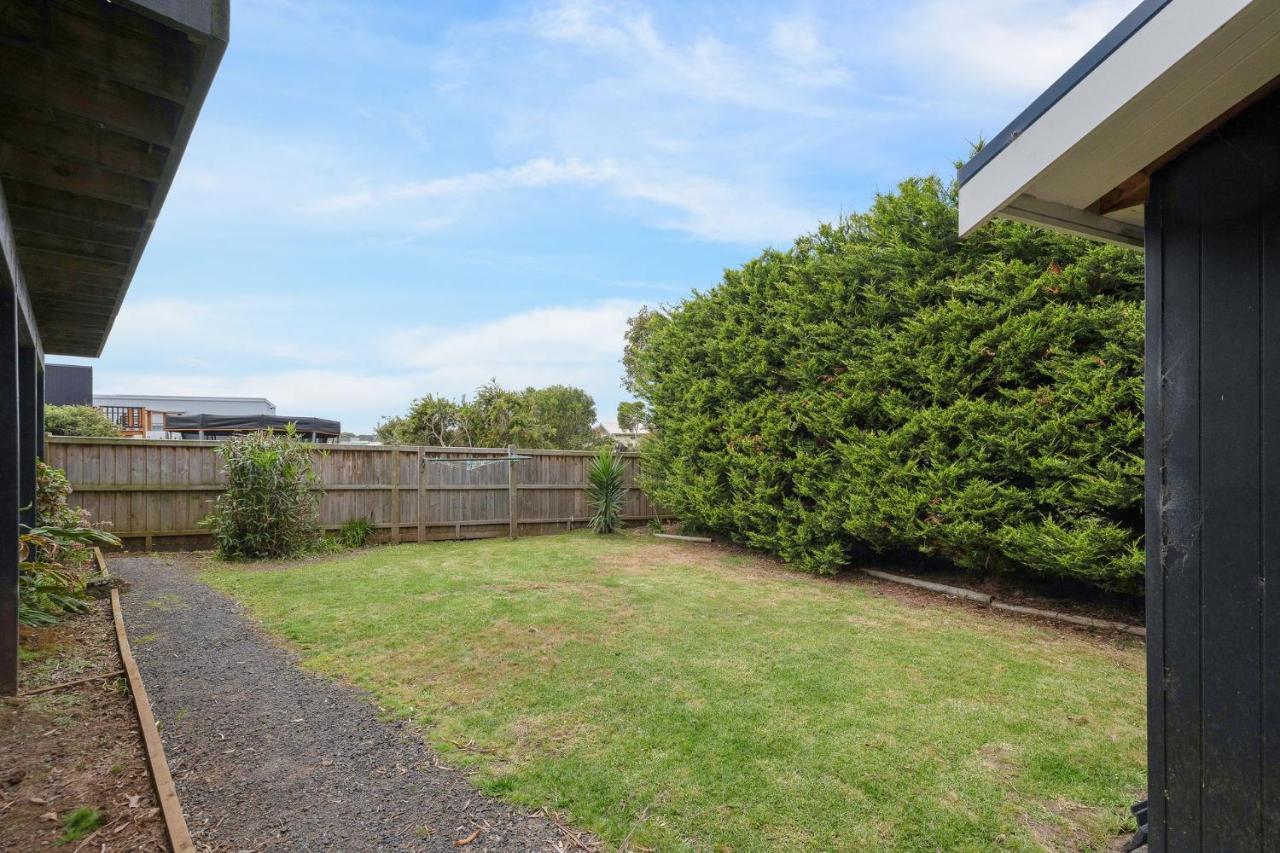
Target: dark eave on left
(98,102)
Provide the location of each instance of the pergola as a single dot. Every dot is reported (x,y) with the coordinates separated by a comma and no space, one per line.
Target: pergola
(97,102)
(1166,136)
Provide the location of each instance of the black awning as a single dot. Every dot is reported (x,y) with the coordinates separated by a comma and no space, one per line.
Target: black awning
(216,424)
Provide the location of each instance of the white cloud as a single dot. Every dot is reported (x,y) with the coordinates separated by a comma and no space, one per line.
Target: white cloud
(1002,46)
(576,345)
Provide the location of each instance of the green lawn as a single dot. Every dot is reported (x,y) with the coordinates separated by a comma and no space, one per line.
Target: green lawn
(672,696)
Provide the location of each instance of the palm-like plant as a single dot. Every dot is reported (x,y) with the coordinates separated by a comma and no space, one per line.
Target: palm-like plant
(605,491)
(46,586)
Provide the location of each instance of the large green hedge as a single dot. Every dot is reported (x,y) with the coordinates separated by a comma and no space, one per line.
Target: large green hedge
(886,384)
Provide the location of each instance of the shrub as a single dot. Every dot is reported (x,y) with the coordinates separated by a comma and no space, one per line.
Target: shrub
(605,491)
(49,582)
(886,384)
(271,507)
(53,490)
(53,556)
(355,533)
(78,420)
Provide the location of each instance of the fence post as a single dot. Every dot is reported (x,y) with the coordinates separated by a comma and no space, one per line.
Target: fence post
(395,495)
(513,502)
(422,493)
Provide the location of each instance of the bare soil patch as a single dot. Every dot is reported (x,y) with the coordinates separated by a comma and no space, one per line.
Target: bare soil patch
(74,747)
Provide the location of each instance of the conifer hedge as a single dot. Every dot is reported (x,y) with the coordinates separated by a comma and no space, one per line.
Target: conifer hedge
(886,384)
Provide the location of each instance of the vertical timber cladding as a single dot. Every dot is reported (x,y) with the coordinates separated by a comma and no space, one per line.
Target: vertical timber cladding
(1213,490)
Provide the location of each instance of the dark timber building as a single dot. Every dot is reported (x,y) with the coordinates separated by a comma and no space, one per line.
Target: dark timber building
(97,102)
(1167,136)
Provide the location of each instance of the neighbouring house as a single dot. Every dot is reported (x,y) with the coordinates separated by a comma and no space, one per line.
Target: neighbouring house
(623,439)
(98,102)
(147,414)
(1166,137)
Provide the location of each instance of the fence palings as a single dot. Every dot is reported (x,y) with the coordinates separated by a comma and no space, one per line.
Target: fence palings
(153,493)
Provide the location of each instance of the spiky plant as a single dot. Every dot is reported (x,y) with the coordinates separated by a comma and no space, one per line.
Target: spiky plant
(605,491)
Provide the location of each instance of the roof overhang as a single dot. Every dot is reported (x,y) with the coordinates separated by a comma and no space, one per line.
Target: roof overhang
(1080,157)
(97,103)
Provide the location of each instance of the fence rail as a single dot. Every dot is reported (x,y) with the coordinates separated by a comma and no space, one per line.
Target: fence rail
(153,493)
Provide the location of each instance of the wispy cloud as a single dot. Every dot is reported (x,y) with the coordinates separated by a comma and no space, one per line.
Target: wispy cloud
(541,172)
(704,67)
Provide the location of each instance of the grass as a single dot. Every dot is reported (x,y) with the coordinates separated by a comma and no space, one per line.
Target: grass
(80,823)
(671,696)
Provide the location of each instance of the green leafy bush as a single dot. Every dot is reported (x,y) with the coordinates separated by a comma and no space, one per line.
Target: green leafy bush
(79,420)
(54,555)
(51,572)
(886,384)
(271,507)
(355,533)
(605,491)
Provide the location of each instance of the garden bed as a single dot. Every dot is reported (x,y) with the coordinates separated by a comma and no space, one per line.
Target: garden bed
(75,747)
(662,694)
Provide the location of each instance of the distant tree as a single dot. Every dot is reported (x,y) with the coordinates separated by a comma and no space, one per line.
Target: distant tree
(431,420)
(557,417)
(640,329)
(631,416)
(79,420)
(507,417)
(568,414)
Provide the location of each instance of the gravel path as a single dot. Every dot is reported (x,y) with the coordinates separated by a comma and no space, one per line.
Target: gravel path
(266,756)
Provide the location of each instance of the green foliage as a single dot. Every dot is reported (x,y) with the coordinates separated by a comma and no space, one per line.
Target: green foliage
(567,414)
(52,492)
(271,507)
(605,491)
(79,420)
(631,415)
(886,384)
(79,823)
(355,533)
(53,556)
(556,417)
(51,571)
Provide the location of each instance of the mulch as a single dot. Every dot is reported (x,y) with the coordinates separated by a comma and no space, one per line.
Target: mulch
(76,746)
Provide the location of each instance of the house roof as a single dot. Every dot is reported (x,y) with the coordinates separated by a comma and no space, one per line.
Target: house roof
(1079,158)
(98,102)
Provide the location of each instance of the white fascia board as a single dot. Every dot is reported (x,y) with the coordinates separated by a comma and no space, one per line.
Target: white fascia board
(1149,53)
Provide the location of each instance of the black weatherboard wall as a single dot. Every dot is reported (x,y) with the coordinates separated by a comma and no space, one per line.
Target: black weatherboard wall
(68,384)
(1213,489)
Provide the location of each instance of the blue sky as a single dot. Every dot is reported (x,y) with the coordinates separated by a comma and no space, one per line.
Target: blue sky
(386,199)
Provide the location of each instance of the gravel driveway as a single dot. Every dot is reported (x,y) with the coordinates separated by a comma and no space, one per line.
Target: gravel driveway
(268,757)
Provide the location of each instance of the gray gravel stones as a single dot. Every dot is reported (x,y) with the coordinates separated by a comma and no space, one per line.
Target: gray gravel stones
(268,757)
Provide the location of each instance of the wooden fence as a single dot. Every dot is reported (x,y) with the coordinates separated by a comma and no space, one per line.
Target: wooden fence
(154,493)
